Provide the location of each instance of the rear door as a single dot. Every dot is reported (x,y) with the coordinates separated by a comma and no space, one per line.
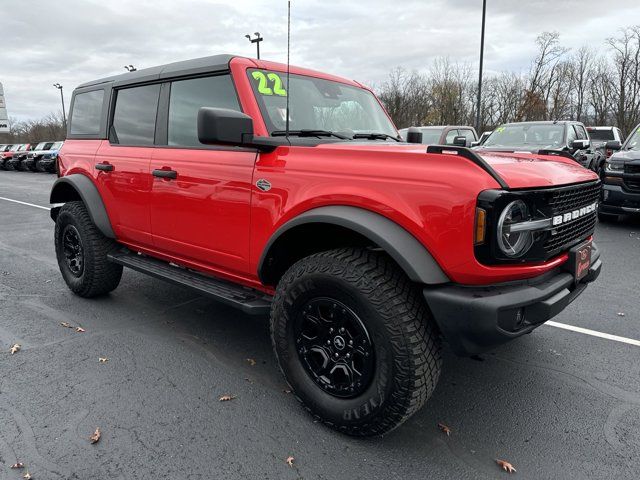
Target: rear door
(122,162)
(200,211)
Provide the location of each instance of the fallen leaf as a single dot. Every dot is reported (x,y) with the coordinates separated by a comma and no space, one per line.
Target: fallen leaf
(15,348)
(444,429)
(251,361)
(290,460)
(506,466)
(27,476)
(80,330)
(226,398)
(103,359)
(18,465)
(621,314)
(65,325)
(96,436)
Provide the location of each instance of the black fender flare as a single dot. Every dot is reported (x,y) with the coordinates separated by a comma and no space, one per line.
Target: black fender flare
(402,246)
(88,192)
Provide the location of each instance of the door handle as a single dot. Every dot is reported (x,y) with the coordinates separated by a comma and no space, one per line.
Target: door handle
(104,167)
(162,173)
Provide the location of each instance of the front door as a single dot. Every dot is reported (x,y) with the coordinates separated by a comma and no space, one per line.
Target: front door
(201,195)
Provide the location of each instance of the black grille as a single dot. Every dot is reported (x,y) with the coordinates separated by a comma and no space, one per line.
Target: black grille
(568,199)
(569,234)
(632,184)
(631,168)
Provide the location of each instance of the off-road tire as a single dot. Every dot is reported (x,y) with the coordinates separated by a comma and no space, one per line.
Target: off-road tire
(39,167)
(98,276)
(406,342)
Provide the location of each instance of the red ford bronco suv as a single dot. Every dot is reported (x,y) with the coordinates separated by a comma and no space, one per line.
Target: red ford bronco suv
(295,196)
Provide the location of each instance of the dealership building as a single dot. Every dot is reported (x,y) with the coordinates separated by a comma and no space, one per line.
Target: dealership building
(4,118)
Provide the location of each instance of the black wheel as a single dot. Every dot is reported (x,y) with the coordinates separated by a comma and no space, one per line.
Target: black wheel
(607,217)
(354,339)
(39,166)
(82,250)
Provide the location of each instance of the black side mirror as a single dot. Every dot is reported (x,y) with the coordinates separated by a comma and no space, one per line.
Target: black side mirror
(580,144)
(613,145)
(224,126)
(221,126)
(461,141)
(414,135)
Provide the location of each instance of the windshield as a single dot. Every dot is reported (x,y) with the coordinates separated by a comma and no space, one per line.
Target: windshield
(15,148)
(317,104)
(56,146)
(601,135)
(634,141)
(525,134)
(40,146)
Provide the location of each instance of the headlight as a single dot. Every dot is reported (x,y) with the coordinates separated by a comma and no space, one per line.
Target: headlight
(513,241)
(613,167)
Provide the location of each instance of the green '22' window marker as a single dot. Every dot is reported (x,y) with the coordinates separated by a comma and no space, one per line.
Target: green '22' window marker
(263,84)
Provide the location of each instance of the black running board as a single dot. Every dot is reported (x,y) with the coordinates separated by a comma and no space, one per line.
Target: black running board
(246,299)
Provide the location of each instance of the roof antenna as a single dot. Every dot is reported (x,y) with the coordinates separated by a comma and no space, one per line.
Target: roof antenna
(288,52)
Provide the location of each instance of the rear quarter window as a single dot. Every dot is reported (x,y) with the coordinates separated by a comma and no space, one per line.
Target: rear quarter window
(87,113)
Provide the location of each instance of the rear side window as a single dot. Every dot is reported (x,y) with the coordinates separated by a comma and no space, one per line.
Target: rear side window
(87,113)
(134,118)
(187,96)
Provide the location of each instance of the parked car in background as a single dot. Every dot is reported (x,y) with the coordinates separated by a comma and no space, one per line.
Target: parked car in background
(29,163)
(15,162)
(444,135)
(621,181)
(8,155)
(601,135)
(47,161)
(566,138)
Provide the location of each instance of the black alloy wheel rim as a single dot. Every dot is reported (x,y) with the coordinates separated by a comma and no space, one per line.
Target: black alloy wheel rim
(334,347)
(73,251)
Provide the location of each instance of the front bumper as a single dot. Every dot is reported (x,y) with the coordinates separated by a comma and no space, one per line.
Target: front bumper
(475,319)
(616,200)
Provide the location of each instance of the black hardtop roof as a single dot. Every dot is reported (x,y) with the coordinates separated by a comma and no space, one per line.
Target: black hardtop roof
(185,67)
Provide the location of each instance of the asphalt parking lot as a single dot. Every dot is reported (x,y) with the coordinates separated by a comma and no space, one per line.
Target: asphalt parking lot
(556,404)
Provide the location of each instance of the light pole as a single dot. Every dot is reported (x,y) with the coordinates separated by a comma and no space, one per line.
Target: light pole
(64,115)
(484,15)
(256,40)
(130,68)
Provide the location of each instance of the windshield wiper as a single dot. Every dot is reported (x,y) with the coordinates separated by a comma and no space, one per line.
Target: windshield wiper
(376,136)
(309,133)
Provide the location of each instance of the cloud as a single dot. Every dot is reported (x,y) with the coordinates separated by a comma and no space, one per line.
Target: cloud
(73,41)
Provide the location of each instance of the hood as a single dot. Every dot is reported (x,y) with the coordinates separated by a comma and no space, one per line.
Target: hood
(529,170)
(518,170)
(625,155)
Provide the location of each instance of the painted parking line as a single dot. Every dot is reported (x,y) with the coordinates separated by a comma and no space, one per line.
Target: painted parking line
(594,333)
(24,203)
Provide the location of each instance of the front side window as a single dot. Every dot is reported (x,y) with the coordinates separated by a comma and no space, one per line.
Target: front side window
(317,104)
(524,134)
(451,134)
(87,113)
(134,118)
(188,96)
(468,134)
(634,140)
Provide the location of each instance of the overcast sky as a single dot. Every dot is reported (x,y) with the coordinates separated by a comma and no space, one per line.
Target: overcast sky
(73,41)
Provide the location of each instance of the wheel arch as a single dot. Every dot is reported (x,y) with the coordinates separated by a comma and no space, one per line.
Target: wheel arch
(330,227)
(76,187)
